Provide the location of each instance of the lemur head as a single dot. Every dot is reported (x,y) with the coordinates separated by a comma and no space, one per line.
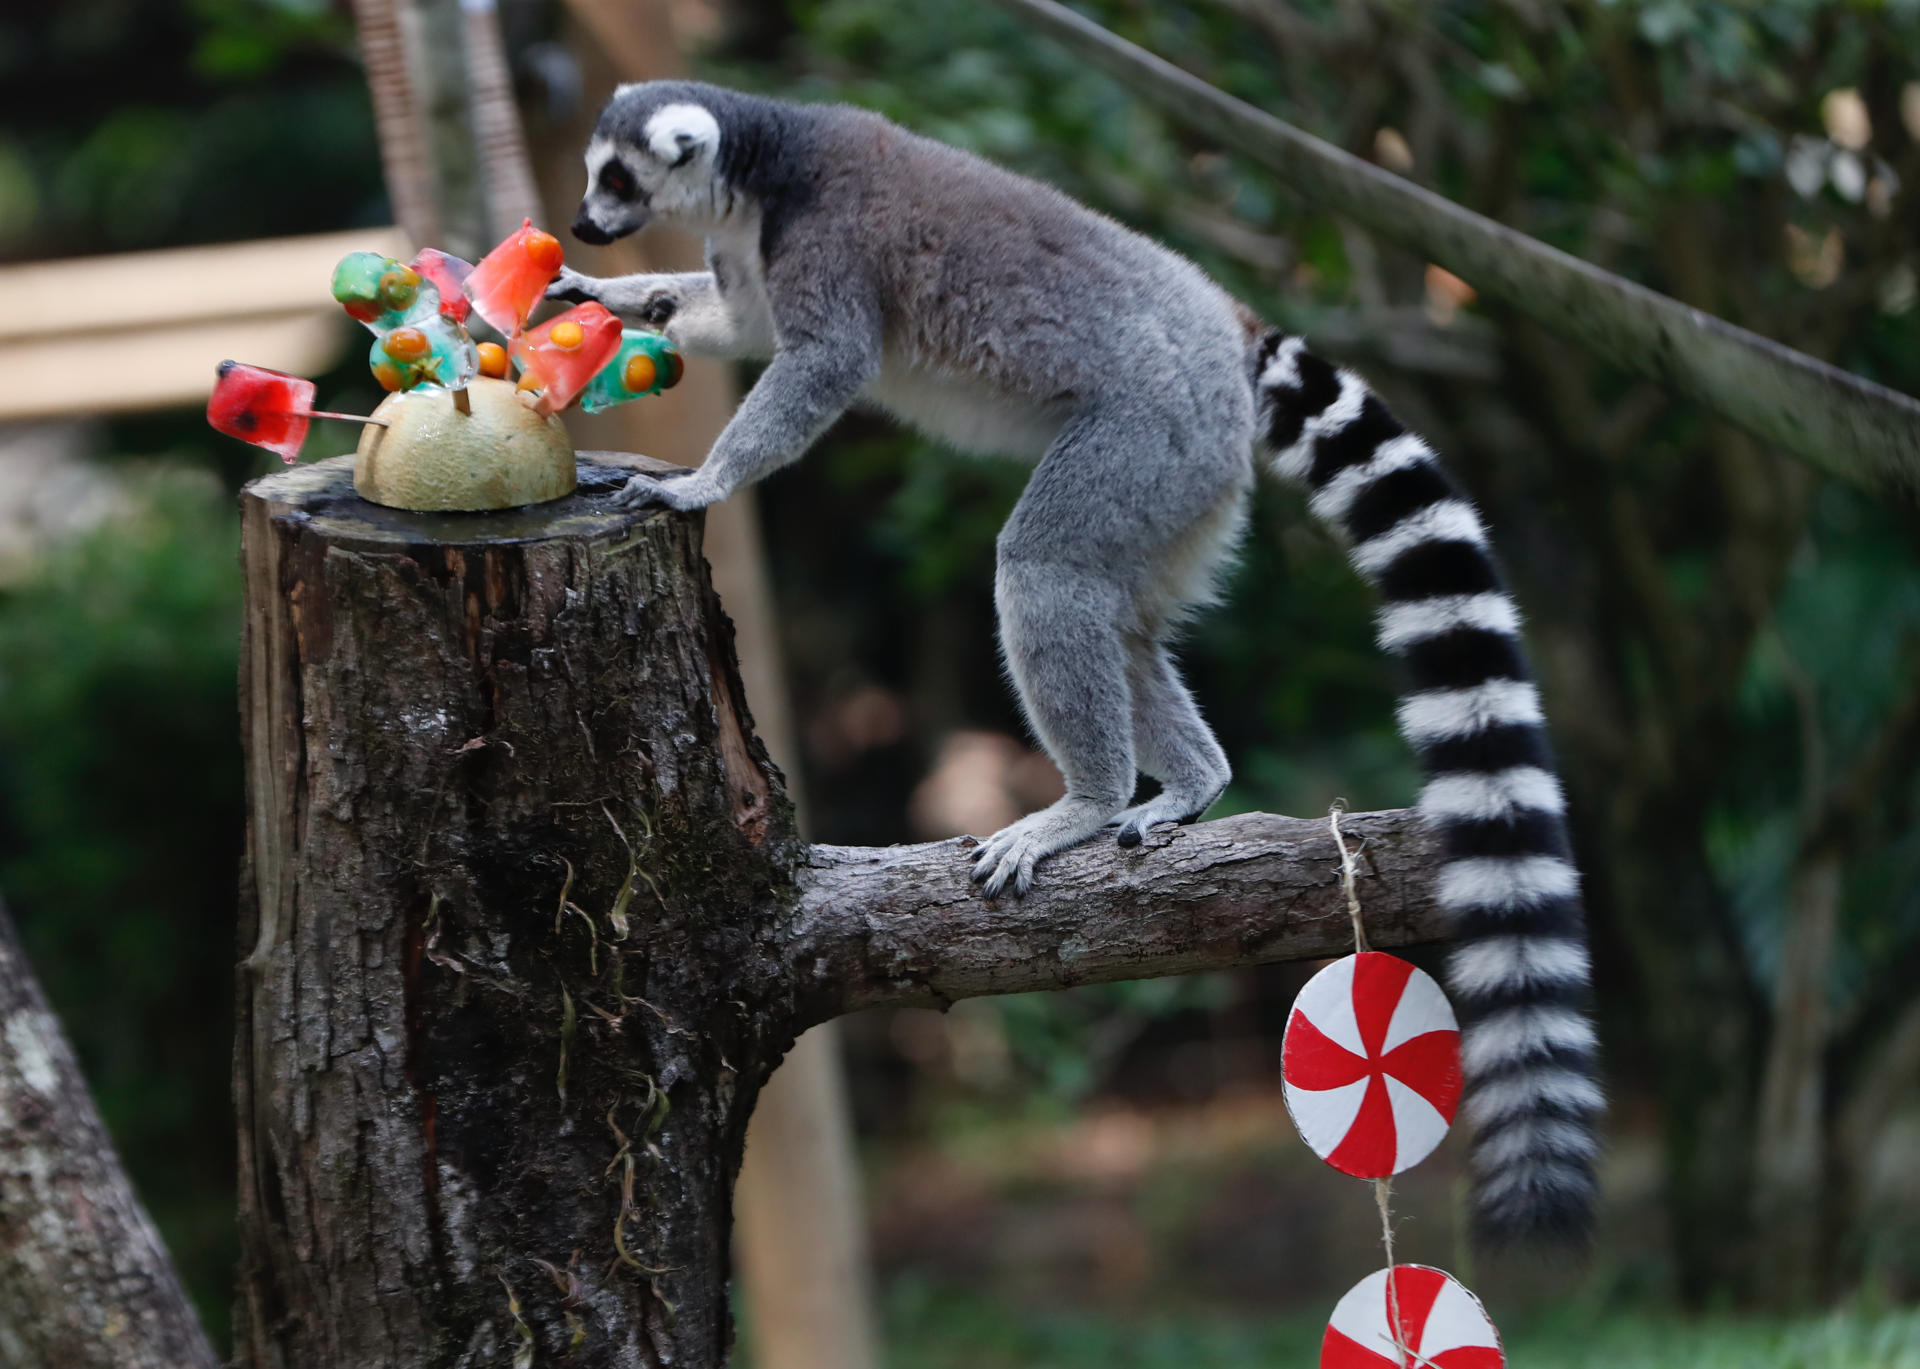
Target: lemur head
(657,151)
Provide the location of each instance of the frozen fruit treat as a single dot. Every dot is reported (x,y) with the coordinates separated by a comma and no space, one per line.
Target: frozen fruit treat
(646,364)
(426,351)
(564,353)
(513,278)
(447,274)
(267,408)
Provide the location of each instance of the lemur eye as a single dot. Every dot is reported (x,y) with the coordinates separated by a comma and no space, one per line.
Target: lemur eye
(616,180)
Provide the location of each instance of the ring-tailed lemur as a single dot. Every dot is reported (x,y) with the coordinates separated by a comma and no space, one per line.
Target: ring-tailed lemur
(865,263)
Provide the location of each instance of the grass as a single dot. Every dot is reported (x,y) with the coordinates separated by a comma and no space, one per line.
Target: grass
(929,1328)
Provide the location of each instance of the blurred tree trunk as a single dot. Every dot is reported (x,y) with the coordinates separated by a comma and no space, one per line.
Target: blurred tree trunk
(84,1280)
(801,1232)
(450,143)
(1799,1202)
(1789,1179)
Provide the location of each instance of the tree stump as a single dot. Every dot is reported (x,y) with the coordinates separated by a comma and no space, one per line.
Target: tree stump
(513,969)
(525,926)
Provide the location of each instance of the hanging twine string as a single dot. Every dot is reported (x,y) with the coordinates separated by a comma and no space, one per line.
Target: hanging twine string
(1348,870)
(1382,1188)
(1383,1199)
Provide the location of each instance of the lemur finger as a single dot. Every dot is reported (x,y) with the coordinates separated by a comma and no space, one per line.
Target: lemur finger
(1013,872)
(991,850)
(641,492)
(1023,874)
(1005,856)
(995,879)
(572,287)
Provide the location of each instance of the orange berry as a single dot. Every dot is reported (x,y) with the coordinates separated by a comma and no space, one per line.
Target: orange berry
(640,373)
(391,377)
(528,381)
(406,344)
(399,286)
(567,334)
(543,250)
(493,360)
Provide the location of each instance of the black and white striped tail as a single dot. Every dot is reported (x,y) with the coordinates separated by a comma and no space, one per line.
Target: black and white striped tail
(1518,974)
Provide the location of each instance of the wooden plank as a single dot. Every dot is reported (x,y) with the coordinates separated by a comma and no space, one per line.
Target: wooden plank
(158,368)
(132,290)
(144,330)
(1830,418)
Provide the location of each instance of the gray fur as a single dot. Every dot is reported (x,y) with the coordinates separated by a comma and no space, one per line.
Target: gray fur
(997,314)
(870,265)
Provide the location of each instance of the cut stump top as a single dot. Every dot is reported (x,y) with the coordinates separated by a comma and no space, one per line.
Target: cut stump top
(322,492)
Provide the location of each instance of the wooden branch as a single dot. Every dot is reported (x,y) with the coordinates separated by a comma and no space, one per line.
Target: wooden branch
(84,1280)
(904,925)
(1834,420)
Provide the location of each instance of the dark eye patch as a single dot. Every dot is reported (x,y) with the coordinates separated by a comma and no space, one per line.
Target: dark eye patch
(616,180)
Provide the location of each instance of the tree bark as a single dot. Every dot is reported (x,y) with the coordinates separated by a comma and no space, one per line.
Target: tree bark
(84,1280)
(526,927)
(904,925)
(512,918)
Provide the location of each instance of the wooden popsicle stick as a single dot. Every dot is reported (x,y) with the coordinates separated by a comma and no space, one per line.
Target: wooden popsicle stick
(347,418)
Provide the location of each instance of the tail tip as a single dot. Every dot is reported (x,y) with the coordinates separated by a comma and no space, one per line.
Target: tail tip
(1550,1213)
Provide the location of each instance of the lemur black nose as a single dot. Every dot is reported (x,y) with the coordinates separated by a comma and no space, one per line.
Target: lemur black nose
(588,231)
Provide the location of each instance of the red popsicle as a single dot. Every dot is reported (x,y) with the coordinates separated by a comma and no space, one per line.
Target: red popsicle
(266,408)
(565,352)
(513,278)
(448,274)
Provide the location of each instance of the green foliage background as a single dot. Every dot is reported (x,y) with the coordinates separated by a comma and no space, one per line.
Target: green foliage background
(1722,637)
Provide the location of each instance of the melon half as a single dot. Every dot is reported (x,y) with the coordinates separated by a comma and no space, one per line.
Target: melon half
(430,456)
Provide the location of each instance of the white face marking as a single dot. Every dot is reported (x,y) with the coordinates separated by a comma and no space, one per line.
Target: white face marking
(613,213)
(680,135)
(668,174)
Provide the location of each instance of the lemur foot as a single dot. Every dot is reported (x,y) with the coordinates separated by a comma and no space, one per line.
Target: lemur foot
(1010,854)
(680,494)
(1133,823)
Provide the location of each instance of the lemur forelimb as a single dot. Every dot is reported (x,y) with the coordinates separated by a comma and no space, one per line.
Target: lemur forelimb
(991,311)
(687,305)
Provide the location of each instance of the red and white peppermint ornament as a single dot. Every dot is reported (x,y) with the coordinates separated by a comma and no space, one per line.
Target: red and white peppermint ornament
(1424,1320)
(1371,1064)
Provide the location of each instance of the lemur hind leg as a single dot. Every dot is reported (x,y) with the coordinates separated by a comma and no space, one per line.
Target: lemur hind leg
(1099,552)
(1060,632)
(1171,744)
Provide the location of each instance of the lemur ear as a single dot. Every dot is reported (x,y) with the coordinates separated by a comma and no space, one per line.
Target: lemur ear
(678,134)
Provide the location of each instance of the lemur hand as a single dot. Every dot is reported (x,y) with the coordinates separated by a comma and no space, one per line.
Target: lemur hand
(571,287)
(634,298)
(680,494)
